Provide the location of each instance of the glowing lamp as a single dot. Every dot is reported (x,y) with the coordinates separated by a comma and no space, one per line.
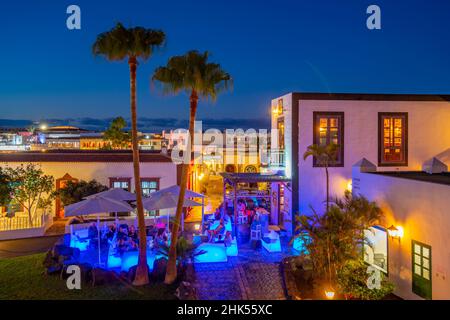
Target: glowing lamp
(349,186)
(196,227)
(329,294)
(201,176)
(277,111)
(395,231)
(43,127)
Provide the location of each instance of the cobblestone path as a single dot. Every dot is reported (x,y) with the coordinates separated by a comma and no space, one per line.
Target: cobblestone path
(253,275)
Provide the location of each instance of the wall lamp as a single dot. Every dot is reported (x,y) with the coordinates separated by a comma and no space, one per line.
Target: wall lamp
(395,232)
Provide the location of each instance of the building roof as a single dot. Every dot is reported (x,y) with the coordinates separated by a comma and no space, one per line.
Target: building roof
(371,96)
(82,156)
(439,178)
(253,177)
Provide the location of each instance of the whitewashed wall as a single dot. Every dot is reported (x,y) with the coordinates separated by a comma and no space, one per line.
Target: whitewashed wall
(102,171)
(429,136)
(422,209)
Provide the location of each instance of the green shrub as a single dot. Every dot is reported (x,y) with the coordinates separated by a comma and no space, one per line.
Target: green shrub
(353,280)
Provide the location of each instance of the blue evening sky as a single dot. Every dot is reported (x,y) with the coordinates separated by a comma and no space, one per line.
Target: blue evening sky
(269,47)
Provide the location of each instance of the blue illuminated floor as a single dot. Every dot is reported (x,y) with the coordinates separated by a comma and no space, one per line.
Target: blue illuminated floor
(253,274)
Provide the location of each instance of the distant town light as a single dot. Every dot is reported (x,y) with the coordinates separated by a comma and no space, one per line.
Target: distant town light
(43,126)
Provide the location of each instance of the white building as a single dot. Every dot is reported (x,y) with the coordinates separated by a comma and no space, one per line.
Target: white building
(416,257)
(111,168)
(396,134)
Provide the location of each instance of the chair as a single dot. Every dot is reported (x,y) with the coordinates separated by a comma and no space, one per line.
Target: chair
(242,219)
(256,233)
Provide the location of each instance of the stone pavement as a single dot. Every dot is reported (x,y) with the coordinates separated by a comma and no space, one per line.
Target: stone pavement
(253,275)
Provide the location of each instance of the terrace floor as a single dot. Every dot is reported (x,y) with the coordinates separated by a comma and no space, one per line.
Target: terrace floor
(252,275)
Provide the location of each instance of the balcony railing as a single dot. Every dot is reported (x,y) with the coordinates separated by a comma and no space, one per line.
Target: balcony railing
(277,158)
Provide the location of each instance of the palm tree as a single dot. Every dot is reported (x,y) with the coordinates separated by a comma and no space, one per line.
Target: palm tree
(193,74)
(132,43)
(325,156)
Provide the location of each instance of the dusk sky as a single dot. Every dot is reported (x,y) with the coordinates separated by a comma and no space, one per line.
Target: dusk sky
(269,47)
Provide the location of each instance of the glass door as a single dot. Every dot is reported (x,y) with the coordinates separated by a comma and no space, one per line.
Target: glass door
(421,269)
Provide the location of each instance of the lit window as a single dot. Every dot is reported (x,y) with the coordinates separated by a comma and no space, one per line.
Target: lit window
(280,127)
(329,129)
(393,129)
(149,185)
(121,183)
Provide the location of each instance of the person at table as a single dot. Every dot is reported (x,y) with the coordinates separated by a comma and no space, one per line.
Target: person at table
(111,231)
(217,231)
(241,207)
(132,233)
(161,237)
(218,213)
(133,237)
(93,231)
(122,240)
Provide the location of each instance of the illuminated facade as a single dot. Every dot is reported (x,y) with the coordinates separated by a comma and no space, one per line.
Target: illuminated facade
(411,244)
(396,132)
(110,168)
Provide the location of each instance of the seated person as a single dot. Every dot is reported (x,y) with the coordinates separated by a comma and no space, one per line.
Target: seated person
(218,213)
(161,237)
(219,231)
(122,240)
(132,233)
(151,231)
(133,238)
(111,231)
(123,232)
(241,207)
(93,231)
(250,204)
(250,215)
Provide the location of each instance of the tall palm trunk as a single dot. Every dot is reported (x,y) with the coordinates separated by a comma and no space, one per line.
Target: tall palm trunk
(171,273)
(141,277)
(328,188)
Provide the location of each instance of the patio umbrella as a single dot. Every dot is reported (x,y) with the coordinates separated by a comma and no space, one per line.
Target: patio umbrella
(166,199)
(116,194)
(175,189)
(96,205)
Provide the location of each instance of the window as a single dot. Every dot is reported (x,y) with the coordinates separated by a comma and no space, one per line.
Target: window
(123,183)
(393,139)
(280,128)
(149,185)
(421,269)
(376,248)
(328,129)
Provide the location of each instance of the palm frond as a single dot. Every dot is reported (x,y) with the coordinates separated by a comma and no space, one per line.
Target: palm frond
(120,43)
(192,72)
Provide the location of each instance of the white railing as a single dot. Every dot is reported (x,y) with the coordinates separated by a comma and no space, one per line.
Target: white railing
(277,158)
(22,222)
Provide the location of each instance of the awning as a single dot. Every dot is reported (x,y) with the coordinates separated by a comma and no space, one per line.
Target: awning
(234,178)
